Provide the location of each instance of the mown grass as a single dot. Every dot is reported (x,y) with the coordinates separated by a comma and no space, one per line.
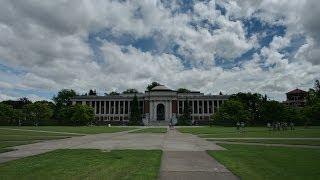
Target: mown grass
(85,164)
(151,130)
(231,132)
(9,138)
(76,129)
(260,162)
(309,142)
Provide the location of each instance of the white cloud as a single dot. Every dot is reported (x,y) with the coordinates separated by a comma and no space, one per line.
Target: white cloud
(49,41)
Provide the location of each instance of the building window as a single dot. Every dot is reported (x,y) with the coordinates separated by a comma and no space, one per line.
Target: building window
(107,107)
(210,107)
(117,107)
(112,107)
(121,107)
(78,102)
(200,107)
(205,107)
(98,106)
(195,107)
(88,103)
(180,107)
(102,107)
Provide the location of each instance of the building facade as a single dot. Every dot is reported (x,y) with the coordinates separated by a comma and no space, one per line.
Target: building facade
(158,106)
(296,98)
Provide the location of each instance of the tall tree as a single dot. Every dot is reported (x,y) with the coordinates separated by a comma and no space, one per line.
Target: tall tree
(130,91)
(231,112)
(113,93)
(135,116)
(152,85)
(64,96)
(82,115)
(183,90)
(6,114)
(38,112)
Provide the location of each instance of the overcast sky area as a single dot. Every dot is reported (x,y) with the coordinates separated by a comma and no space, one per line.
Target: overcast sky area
(264,46)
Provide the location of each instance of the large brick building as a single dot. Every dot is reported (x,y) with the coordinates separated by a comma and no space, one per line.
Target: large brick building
(296,98)
(159,105)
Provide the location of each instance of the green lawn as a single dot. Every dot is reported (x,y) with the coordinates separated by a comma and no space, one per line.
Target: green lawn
(276,141)
(10,138)
(85,164)
(76,129)
(151,130)
(260,162)
(230,132)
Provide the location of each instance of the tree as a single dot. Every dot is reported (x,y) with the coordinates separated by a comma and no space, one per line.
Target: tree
(6,114)
(183,90)
(272,111)
(38,112)
(230,113)
(19,103)
(92,92)
(135,116)
(252,103)
(130,91)
(63,97)
(185,118)
(113,93)
(82,115)
(152,85)
(65,114)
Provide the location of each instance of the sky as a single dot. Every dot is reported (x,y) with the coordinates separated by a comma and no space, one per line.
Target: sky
(264,46)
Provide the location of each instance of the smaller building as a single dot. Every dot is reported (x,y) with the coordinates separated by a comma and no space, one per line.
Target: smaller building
(296,98)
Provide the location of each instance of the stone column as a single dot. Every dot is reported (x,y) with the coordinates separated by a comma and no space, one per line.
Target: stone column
(218,105)
(208,107)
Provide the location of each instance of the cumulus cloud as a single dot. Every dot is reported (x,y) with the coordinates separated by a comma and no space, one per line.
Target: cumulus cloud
(67,44)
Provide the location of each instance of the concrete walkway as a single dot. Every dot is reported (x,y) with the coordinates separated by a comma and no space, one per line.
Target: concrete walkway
(185,158)
(184,155)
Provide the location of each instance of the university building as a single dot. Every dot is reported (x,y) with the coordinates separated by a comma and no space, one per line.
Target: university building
(296,98)
(158,106)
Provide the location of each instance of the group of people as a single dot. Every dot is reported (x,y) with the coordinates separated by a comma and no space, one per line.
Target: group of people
(240,126)
(278,126)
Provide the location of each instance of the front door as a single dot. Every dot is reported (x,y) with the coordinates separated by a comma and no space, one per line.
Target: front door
(160,112)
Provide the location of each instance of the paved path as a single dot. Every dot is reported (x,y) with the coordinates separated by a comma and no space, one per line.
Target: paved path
(185,158)
(184,155)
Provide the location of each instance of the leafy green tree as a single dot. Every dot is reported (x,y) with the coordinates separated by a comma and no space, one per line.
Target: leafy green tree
(152,85)
(6,114)
(38,112)
(272,111)
(135,116)
(65,114)
(185,119)
(183,90)
(82,115)
(113,93)
(253,103)
(18,104)
(64,96)
(230,113)
(130,91)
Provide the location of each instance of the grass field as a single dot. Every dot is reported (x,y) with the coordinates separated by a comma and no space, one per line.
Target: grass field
(10,138)
(75,129)
(260,162)
(151,130)
(259,132)
(310,142)
(85,164)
